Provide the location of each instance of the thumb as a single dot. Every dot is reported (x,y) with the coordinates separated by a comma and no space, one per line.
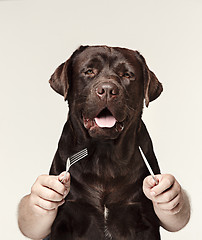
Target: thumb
(148,184)
(64,179)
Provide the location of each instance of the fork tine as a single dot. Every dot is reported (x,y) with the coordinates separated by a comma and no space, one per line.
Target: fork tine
(75,161)
(75,158)
(78,157)
(83,150)
(79,154)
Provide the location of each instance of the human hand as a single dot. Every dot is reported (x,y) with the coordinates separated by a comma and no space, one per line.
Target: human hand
(167,195)
(48,193)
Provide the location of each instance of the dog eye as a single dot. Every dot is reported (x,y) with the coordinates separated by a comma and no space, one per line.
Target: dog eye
(89,72)
(126,75)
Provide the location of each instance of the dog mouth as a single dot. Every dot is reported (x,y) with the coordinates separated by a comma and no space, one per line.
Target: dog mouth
(104,120)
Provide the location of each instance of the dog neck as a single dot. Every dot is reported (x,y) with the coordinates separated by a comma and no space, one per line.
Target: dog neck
(104,148)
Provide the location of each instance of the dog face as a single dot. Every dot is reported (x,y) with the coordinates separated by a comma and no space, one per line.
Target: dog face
(105,88)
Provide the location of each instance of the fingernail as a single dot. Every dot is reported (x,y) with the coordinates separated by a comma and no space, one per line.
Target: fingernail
(152,193)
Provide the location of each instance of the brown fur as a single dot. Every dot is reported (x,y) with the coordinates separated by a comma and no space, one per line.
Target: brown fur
(106,200)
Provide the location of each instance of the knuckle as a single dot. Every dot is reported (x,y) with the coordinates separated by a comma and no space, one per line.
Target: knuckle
(178,188)
(170,176)
(39,178)
(168,181)
(33,199)
(34,189)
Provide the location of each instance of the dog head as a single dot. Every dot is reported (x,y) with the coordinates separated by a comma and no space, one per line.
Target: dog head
(105,88)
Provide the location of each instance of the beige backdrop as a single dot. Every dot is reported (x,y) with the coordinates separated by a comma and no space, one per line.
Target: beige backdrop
(36,36)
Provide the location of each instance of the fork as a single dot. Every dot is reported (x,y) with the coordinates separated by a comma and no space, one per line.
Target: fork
(148,166)
(73,159)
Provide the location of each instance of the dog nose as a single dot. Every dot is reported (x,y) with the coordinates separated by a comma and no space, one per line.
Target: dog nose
(107,90)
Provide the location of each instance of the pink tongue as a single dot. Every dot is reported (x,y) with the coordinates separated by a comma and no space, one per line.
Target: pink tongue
(105,121)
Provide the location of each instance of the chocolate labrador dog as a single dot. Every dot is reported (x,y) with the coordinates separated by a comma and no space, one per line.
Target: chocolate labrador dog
(106,88)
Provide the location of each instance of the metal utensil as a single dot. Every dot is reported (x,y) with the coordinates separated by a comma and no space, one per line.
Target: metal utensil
(148,166)
(73,159)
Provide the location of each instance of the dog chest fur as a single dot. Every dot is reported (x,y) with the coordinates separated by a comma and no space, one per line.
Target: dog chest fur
(106,200)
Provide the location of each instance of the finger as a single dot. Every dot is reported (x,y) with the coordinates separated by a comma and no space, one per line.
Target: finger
(171,204)
(49,194)
(165,182)
(52,182)
(65,178)
(175,210)
(149,182)
(48,205)
(61,176)
(169,194)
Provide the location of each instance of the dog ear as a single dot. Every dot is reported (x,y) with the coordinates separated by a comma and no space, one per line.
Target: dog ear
(59,79)
(152,86)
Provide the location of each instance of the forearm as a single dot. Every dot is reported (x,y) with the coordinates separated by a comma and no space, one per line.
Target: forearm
(177,218)
(34,222)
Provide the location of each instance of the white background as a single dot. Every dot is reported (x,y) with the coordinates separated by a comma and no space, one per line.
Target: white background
(36,36)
